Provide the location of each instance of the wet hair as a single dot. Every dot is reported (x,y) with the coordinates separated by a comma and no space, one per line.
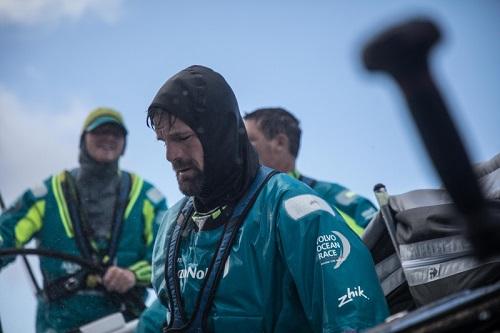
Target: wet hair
(274,121)
(158,114)
(203,100)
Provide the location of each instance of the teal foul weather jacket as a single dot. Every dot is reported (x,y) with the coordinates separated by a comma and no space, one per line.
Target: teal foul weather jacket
(356,210)
(152,319)
(294,266)
(43,213)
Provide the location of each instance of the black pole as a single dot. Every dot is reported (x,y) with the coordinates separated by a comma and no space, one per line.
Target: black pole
(403,52)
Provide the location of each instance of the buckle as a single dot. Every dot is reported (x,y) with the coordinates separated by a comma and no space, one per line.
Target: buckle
(71,284)
(92,280)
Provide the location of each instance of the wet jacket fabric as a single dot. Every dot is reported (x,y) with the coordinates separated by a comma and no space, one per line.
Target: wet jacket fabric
(152,319)
(295,267)
(356,210)
(42,213)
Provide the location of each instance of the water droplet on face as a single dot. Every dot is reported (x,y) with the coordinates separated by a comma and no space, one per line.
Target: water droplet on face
(185,93)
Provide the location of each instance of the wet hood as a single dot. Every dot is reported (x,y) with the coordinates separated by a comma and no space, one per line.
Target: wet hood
(202,99)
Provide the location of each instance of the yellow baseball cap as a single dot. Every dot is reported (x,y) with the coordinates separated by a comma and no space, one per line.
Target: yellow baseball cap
(101,116)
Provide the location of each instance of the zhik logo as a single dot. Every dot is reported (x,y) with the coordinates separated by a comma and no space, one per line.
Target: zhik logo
(350,295)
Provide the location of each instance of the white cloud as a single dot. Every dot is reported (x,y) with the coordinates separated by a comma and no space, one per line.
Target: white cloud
(49,11)
(35,143)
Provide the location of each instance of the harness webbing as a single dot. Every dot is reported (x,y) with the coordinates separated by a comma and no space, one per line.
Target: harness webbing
(70,284)
(81,225)
(197,322)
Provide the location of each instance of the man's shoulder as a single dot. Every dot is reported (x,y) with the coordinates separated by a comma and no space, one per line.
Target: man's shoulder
(282,182)
(294,197)
(329,189)
(61,174)
(337,194)
(344,198)
(282,187)
(152,193)
(138,178)
(44,187)
(171,214)
(329,186)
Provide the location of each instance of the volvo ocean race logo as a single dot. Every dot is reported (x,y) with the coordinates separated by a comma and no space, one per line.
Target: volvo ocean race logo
(332,248)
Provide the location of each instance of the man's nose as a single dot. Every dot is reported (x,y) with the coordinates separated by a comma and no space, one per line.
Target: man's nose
(173,152)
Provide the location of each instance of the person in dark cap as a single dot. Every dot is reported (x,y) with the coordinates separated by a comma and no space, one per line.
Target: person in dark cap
(248,249)
(99,212)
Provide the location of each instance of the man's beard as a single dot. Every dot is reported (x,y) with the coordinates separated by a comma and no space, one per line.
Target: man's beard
(189,185)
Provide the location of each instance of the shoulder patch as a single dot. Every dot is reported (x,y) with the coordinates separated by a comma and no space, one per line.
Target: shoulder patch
(154,195)
(369,213)
(39,190)
(301,205)
(346,197)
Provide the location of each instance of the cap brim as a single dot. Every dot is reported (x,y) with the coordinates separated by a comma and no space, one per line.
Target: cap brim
(104,120)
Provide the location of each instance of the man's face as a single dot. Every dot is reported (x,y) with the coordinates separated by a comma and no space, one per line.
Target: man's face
(105,143)
(265,147)
(184,151)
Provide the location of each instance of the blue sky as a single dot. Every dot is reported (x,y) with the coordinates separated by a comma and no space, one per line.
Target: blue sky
(61,58)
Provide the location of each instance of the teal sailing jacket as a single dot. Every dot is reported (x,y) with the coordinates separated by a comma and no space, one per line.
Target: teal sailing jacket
(295,266)
(42,213)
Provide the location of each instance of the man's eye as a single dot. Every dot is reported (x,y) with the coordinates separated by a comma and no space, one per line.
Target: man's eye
(184,138)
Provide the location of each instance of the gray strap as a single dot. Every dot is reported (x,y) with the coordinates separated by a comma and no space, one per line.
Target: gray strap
(387,266)
(438,258)
(390,274)
(432,272)
(451,245)
(393,281)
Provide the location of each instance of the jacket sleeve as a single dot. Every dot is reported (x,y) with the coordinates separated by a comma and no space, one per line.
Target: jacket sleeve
(21,221)
(332,270)
(154,207)
(353,205)
(152,319)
